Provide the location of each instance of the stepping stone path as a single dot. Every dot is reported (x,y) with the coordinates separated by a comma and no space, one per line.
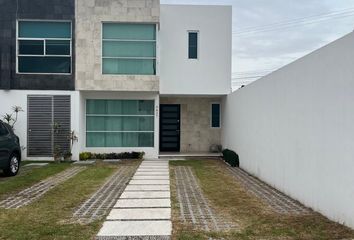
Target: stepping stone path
(275,199)
(98,205)
(194,207)
(143,211)
(36,191)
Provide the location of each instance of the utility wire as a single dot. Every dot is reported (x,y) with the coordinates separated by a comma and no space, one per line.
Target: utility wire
(298,19)
(286,25)
(251,77)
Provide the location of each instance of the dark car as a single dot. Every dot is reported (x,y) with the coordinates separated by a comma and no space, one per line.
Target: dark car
(10,150)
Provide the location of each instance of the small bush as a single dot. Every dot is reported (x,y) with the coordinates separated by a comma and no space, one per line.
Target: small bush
(231,157)
(101,156)
(85,156)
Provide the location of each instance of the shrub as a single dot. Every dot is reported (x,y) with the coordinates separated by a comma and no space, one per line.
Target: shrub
(85,156)
(231,157)
(101,156)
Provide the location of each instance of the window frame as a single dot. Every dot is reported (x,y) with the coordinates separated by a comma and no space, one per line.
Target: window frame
(120,115)
(18,39)
(211,115)
(127,40)
(198,39)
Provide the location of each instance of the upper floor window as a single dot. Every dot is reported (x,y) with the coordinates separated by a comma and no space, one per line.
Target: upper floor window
(193,44)
(215,115)
(44,47)
(129,49)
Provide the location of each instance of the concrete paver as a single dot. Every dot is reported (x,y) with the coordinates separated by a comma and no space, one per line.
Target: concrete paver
(151,177)
(143,203)
(146,194)
(150,182)
(135,228)
(147,188)
(140,214)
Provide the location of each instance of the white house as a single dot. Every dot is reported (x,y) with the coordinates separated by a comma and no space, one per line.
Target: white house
(123,75)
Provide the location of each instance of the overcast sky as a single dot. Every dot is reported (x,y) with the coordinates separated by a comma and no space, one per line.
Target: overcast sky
(258,52)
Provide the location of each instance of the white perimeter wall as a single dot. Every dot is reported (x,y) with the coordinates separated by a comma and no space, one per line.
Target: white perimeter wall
(295,129)
(210,74)
(152,152)
(8,99)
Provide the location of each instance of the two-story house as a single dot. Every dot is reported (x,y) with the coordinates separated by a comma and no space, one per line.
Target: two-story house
(122,75)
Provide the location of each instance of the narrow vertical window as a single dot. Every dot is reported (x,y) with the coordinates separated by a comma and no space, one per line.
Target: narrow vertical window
(193,45)
(215,115)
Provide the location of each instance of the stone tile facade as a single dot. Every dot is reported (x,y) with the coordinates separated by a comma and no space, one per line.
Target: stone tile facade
(89,17)
(10,12)
(196,132)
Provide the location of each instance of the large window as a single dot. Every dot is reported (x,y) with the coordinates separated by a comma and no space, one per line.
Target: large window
(129,49)
(120,123)
(193,45)
(215,115)
(44,47)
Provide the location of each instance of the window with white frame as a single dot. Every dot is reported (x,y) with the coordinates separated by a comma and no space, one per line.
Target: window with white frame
(129,49)
(44,47)
(119,123)
(215,115)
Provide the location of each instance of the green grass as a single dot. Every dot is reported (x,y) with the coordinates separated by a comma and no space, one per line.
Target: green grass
(49,217)
(13,184)
(255,220)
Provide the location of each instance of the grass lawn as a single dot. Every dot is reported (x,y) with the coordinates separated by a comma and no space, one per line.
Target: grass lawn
(14,184)
(255,219)
(49,217)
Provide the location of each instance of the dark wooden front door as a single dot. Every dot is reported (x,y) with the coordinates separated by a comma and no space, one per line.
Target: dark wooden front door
(170,127)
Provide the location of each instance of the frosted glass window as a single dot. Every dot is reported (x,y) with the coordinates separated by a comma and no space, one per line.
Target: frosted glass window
(41,29)
(119,123)
(129,49)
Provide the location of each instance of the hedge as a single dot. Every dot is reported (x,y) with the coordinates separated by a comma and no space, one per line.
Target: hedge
(231,157)
(124,155)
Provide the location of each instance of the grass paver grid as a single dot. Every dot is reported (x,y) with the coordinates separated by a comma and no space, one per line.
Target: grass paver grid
(276,200)
(34,192)
(194,207)
(103,200)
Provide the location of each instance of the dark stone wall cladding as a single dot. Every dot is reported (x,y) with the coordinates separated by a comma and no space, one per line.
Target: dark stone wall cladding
(10,10)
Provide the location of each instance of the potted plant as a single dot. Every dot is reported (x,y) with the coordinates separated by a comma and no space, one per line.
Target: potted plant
(57,154)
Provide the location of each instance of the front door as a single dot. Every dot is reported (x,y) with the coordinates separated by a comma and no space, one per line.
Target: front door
(170,127)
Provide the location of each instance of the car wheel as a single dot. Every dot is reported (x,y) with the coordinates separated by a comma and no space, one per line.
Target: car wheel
(14,166)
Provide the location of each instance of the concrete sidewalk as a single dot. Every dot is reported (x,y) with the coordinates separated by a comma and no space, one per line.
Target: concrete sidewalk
(143,211)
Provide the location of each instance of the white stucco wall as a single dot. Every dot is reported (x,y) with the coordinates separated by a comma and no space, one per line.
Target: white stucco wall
(210,74)
(295,129)
(152,152)
(8,99)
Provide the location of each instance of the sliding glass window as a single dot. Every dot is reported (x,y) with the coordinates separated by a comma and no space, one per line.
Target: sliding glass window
(129,49)
(44,47)
(119,123)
